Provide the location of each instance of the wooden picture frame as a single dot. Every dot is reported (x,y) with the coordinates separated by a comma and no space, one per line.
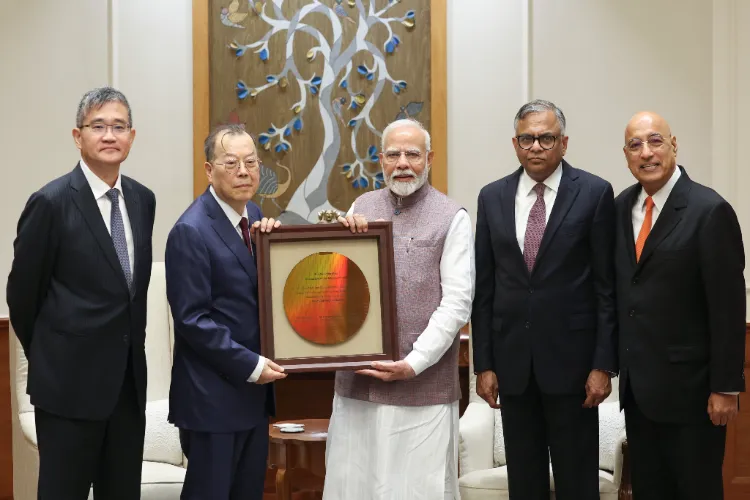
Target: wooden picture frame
(280,250)
(438,91)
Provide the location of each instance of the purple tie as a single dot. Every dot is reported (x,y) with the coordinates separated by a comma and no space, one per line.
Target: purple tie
(535,228)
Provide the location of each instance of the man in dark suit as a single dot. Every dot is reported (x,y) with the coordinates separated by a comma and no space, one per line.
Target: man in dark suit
(77,300)
(681,307)
(217,397)
(543,318)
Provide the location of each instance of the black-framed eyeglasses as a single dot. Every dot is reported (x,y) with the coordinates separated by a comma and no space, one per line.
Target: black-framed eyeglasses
(100,128)
(546,141)
(655,143)
(231,165)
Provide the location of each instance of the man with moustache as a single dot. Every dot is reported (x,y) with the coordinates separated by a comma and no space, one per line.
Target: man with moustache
(681,307)
(219,397)
(393,432)
(77,300)
(543,323)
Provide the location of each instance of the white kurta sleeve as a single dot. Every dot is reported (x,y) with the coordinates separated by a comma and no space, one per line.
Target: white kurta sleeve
(457,277)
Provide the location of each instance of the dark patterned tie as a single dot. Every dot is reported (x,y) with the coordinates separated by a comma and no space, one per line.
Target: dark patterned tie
(245,227)
(535,228)
(117,228)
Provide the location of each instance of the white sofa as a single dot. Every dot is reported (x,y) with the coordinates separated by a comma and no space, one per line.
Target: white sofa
(482,470)
(163,461)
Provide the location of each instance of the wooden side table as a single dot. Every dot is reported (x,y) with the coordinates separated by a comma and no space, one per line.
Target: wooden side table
(298,458)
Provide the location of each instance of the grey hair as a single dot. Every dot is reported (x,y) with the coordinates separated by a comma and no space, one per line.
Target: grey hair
(230,128)
(96,98)
(406,122)
(540,106)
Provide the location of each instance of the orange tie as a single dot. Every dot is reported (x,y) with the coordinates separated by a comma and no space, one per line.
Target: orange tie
(645,228)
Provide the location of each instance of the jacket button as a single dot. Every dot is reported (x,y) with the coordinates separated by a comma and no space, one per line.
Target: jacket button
(527,325)
(635,281)
(531,290)
(125,338)
(631,313)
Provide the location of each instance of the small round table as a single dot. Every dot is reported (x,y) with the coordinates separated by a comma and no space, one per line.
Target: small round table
(299,458)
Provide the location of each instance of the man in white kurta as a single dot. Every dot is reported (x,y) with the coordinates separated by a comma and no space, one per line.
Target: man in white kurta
(394,428)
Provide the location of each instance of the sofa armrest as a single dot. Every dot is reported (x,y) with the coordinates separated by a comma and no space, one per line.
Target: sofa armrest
(476,438)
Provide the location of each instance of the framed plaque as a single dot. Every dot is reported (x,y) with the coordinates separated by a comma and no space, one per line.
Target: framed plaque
(327,297)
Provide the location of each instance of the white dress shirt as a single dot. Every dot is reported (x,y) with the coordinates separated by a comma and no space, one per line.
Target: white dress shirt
(235,219)
(457,279)
(100,188)
(526,197)
(660,199)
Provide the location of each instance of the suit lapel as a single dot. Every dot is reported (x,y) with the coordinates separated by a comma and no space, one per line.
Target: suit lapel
(83,197)
(508,210)
(133,205)
(228,234)
(668,219)
(627,221)
(566,195)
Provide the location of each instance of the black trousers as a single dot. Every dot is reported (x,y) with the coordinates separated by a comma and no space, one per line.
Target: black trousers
(74,454)
(673,461)
(225,466)
(538,427)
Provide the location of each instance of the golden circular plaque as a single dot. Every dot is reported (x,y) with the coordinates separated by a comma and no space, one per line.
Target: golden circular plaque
(326,298)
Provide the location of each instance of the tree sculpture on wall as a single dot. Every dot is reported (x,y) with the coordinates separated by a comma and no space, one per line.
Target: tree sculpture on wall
(316,90)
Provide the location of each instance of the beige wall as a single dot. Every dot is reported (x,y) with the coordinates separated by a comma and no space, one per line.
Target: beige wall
(54,51)
(600,61)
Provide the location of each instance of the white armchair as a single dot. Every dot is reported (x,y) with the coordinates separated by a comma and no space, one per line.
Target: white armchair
(163,462)
(482,469)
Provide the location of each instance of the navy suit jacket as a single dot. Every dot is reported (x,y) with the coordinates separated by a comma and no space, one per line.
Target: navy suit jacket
(558,320)
(212,288)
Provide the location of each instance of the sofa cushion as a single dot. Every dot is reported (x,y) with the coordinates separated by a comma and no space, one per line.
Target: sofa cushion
(161,473)
(159,481)
(498,450)
(611,429)
(497,480)
(162,440)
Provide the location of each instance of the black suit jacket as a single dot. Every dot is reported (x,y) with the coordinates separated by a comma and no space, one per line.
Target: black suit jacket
(682,307)
(69,302)
(560,318)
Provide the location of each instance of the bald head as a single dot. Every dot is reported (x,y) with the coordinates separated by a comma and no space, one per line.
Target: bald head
(651,150)
(647,120)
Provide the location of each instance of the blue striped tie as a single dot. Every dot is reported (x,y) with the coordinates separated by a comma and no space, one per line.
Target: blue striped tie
(117,228)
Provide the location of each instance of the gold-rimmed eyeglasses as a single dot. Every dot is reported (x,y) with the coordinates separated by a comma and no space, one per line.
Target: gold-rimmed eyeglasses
(655,143)
(231,165)
(412,156)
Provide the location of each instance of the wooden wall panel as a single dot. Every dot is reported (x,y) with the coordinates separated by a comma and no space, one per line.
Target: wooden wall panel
(737,455)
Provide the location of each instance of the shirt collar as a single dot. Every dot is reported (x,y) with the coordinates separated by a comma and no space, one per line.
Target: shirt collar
(526,183)
(231,213)
(98,186)
(660,197)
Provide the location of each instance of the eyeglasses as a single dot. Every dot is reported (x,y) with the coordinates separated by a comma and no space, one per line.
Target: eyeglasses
(392,157)
(546,141)
(231,165)
(101,128)
(655,143)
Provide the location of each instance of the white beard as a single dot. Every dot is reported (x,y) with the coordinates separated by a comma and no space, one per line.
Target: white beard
(406,188)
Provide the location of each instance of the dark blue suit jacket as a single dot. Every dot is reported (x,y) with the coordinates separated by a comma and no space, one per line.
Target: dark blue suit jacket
(212,288)
(560,318)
